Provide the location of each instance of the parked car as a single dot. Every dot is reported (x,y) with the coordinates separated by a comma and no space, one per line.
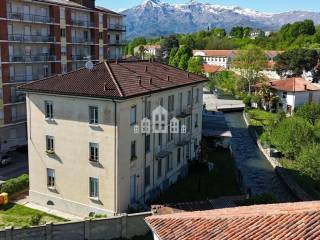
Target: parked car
(5,160)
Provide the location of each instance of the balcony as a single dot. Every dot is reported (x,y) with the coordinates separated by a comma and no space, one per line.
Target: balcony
(82,23)
(116,27)
(32,58)
(29,17)
(21,78)
(117,43)
(82,40)
(184,112)
(19,118)
(30,38)
(79,57)
(183,139)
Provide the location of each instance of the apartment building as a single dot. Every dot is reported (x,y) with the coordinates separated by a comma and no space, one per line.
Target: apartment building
(41,38)
(90,149)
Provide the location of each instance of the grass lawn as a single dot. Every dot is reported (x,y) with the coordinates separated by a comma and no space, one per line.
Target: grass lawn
(20,216)
(200,184)
(259,118)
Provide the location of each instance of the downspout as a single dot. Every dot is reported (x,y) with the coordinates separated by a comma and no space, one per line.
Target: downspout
(116,158)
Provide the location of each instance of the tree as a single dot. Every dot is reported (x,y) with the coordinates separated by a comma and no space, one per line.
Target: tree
(250,62)
(268,98)
(141,51)
(134,43)
(247,31)
(183,50)
(309,112)
(218,32)
(289,32)
(195,65)
(308,161)
(291,134)
(183,64)
(236,32)
(167,44)
(294,62)
(171,56)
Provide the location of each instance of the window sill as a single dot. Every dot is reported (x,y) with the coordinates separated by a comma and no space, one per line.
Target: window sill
(49,119)
(50,153)
(96,199)
(93,125)
(52,188)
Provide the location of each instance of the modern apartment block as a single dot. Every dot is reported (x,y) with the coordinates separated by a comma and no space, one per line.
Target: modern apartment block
(90,147)
(41,38)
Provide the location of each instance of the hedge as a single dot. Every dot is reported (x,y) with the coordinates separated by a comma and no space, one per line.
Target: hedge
(15,185)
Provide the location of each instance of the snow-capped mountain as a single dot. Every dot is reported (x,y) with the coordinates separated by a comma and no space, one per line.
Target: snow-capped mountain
(155,18)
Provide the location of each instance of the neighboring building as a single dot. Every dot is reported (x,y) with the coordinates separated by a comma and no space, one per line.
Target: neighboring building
(41,38)
(212,59)
(149,50)
(293,92)
(89,145)
(274,221)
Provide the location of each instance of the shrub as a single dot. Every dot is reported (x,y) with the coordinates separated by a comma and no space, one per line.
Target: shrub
(310,112)
(35,220)
(308,161)
(15,185)
(291,134)
(247,100)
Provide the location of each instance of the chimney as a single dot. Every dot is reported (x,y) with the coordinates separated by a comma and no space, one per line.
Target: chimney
(105,86)
(168,78)
(86,3)
(146,69)
(188,74)
(150,81)
(140,80)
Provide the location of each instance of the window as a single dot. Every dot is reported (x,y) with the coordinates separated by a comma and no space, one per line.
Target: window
(50,144)
(94,152)
(197,95)
(159,167)
(101,35)
(63,51)
(169,162)
(159,139)
(133,151)
(180,101)
(171,103)
(101,51)
(178,156)
(63,32)
(161,102)
(62,13)
(189,98)
(196,120)
(148,109)
(284,94)
(147,176)
(93,115)
(48,109)
(100,18)
(50,178)
(133,115)
(147,143)
(64,68)
(93,187)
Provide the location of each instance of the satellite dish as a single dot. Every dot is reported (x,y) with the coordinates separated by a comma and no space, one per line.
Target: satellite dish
(89,65)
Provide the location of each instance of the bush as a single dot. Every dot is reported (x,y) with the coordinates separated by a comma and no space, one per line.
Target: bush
(247,100)
(291,134)
(35,220)
(310,112)
(15,185)
(308,161)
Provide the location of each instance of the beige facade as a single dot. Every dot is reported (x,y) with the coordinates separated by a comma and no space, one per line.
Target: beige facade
(123,181)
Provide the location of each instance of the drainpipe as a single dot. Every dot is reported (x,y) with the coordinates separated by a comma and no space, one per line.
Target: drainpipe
(116,158)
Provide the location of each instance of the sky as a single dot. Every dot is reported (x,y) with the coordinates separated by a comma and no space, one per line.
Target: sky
(269,6)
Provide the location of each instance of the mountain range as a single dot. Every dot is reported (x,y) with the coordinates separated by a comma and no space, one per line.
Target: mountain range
(154,18)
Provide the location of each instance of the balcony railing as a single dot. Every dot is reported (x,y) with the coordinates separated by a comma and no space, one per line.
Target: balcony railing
(82,23)
(79,57)
(82,40)
(32,58)
(26,78)
(19,118)
(116,27)
(18,98)
(116,43)
(30,17)
(30,38)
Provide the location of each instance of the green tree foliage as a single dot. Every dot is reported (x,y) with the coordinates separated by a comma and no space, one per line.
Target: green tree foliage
(224,80)
(291,134)
(237,32)
(171,56)
(250,62)
(308,161)
(291,31)
(218,32)
(134,43)
(310,112)
(167,44)
(247,31)
(181,57)
(294,62)
(183,64)
(195,65)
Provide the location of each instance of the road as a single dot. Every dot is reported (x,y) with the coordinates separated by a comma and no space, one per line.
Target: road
(213,103)
(18,166)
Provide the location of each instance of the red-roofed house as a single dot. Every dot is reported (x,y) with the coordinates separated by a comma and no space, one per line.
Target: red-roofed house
(88,149)
(293,221)
(293,92)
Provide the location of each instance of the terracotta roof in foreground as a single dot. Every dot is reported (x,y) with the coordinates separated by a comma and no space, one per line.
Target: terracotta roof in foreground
(118,79)
(207,68)
(294,84)
(294,221)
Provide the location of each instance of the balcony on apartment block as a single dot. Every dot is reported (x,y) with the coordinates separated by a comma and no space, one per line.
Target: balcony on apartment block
(19,118)
(19,97)
(30,38)
(117,43)
(184,112)
(116,27)
(183,139)
(82,40)
(32,58)
(80,57)
(29,17)
(82,23)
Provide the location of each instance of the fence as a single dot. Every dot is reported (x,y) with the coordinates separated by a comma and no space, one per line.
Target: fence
(120,227)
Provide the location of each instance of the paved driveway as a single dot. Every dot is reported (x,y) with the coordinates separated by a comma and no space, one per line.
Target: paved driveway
(18,166)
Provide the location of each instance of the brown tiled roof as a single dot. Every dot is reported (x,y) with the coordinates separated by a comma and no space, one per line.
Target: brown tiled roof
(207,68)
(291,85)
(217,53)
(294,221)
(121,79)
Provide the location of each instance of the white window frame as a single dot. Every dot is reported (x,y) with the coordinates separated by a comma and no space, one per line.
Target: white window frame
(51,181)
(48,109)
(93,187)
(133,115)
(93,115)
(50,143)
(93,152)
